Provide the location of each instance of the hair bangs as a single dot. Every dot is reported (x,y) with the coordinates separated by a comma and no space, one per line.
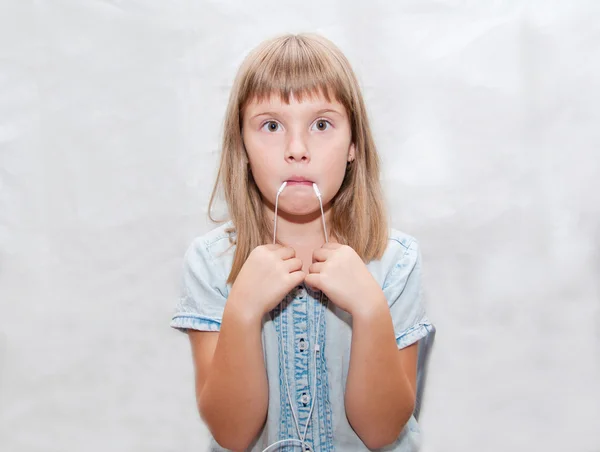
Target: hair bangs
(299,67)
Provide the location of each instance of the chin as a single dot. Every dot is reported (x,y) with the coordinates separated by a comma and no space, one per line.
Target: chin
(300,209)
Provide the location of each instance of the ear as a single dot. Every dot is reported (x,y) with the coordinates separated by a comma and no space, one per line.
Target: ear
(351,153)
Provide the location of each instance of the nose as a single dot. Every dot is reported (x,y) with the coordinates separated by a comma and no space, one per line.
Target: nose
(297,149)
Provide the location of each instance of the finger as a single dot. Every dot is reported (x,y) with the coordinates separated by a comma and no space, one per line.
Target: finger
(313,280)
(316,267)
(321,254)
(285,252)
(331,246)
(297,278)
(293,265)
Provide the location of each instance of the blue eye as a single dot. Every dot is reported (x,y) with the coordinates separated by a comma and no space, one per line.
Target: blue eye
(272,126)
(322,124)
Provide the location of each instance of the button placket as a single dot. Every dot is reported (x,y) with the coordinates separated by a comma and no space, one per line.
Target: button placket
(302,306)
(305,398)
(302,344)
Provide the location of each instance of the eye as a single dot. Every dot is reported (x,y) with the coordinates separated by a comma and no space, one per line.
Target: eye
(322,124)
(272,126)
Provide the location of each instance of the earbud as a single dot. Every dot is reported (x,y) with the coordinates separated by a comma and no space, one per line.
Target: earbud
(319,197)
(281,188)
(316,189)
(276,203)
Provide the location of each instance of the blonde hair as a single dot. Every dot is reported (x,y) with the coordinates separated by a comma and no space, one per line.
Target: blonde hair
(305,65)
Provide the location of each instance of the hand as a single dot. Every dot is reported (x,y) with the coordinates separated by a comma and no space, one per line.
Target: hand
(342,275)
(269,273)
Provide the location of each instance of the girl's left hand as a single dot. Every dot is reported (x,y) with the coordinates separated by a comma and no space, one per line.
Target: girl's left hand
(339,272)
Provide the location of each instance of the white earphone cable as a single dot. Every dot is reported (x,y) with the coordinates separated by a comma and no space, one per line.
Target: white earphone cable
(302,437)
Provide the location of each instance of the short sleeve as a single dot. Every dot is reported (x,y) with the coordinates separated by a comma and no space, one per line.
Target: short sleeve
(203,291)
(403,291)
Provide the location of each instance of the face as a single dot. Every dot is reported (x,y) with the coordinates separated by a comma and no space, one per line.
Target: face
(301,143)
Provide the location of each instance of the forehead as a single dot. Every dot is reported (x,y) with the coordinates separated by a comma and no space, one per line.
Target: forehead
(308,102)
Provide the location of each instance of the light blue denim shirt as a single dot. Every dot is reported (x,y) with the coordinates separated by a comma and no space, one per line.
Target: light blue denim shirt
(289,333)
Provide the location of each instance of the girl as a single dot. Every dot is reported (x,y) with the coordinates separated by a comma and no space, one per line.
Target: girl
(304,310)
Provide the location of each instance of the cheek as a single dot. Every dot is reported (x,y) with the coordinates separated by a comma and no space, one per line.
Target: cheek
(264,142)
(335,154)
(260,170)
(333,175)
(260,152)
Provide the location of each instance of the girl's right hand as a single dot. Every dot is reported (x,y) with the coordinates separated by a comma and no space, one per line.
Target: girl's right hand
(269,273)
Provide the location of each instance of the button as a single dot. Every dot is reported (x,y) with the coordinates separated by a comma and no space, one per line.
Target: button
(302,345)
(305,398)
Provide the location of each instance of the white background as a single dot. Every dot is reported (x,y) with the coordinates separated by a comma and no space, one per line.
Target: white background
(487,120)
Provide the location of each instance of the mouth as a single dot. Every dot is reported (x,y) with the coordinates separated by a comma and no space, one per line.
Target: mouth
(299,180)
(296,182)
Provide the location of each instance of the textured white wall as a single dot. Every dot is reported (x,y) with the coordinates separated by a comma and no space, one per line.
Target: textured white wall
(486,115)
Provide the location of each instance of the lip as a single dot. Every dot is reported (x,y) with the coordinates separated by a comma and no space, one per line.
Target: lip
(299,179)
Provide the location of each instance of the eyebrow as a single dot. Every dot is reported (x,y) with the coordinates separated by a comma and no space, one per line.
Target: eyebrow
(319,112)
(329,110)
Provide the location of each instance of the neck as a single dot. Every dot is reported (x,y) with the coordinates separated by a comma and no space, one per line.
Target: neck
(300,230)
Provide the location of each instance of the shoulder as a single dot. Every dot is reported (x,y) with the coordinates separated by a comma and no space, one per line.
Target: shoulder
(211,254)
(401,243)
(204,290)
(212,244)
(402,251)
